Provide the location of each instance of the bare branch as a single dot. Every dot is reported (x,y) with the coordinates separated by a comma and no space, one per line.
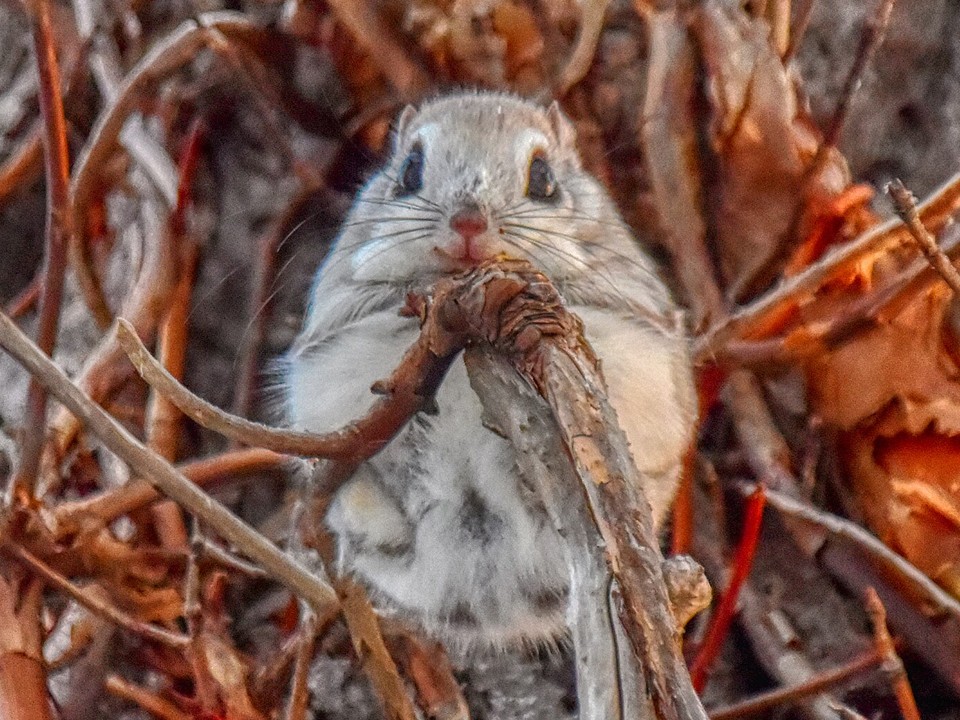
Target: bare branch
(163,475)
(410,385)
(933,213)
(906,205)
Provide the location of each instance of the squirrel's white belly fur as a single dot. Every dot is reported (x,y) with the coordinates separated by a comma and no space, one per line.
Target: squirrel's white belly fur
(439,525)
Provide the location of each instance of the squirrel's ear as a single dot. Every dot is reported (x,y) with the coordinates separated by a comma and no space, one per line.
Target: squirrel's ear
(403,122)
(562,127)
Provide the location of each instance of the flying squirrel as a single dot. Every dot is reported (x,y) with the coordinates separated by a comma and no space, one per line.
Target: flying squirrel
(437,525)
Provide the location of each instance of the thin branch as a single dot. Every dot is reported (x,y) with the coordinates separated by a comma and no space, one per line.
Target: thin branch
(931,594)
(799,30)
(297,704)
(516,309)
(778,15)
(105,369)
(727,607)
(95,604)
(428,667)
(163,419)
(145,699)
(163,475)
(870,40)
(786,696)
(906,206)
(228,560)
(592,14)
(407,389)
(111,504)
(363,22)
(933,213)
(23,165)
(58,233)
(169,54)
(892,661)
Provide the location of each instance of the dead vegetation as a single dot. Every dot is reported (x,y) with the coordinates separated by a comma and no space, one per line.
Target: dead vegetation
(195,162)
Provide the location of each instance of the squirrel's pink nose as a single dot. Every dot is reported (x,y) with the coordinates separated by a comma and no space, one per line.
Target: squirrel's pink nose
(468,223)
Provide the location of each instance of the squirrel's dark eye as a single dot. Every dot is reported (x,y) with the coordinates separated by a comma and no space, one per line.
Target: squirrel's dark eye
(411,172)
(541,185)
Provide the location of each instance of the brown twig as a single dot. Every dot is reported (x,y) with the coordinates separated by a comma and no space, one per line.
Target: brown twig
(23,681)
(363,22)
(299,694)
(933,213)
(23,165)
(799,30)
(592,14)
(163,417)
(426,664)
(143,698)
(856,669)
(95,604)
(773,649)
(58,233)
(906,206)
(517,310)
(892,662)
(778,15)
(170,53)
(104,369)
(111,504)
(411,384)
(825,523)
(870,40)
(161,474)
(26,298)
(844,324)
(727,607)
(230,561)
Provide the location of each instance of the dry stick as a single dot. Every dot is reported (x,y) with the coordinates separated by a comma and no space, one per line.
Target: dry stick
(309,530)
(23,165)
(145,699)
(727,607)
(929,593)
(363,22)
(859,315)
(799,30)
(161,474)
(95,604)
(933,213)
(410,385)
(111,504)
(58,234)
(23,681)
(605,678)
(106,67)
(870,40)
(906,206)
(592,14)
(772,648)
(519,311)
(426,664)
(934,639)
(297,704)
(105,369)
(169,54)
(163,417)
(228,560)
(892,661)
(855,669)
(778,15)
